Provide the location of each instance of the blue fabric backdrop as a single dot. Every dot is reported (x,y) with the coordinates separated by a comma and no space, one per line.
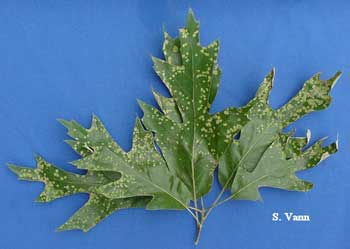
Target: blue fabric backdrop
(69,59)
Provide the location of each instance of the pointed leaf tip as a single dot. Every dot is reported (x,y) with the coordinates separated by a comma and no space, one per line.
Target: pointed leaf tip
(273,72)
(190,13)
(140,102)
(15,169)
(335,78)
(192,25)
(337,142)
(308,136)
(64,122)
(38,158)
(95,119)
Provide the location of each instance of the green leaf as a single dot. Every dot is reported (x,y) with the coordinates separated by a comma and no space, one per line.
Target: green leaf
(275,170)
(265,157)
(191,139)
(143,173)
(59,183)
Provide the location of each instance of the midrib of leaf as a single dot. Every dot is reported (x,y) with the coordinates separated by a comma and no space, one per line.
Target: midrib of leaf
(194,133)
(193,79)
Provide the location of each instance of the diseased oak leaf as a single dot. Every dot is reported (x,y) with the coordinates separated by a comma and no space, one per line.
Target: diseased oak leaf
(191,139)
(263,156)
(59,183)
(143,172)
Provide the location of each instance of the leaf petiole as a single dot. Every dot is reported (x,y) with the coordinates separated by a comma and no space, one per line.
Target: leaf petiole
(197,209)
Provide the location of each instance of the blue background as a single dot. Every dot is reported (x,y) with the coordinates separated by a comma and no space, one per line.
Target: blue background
(69,59)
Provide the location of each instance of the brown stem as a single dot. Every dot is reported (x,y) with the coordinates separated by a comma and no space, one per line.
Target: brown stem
(200,223)
(199,231)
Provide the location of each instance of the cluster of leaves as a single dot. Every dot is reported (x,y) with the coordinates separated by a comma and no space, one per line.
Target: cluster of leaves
(177,148)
